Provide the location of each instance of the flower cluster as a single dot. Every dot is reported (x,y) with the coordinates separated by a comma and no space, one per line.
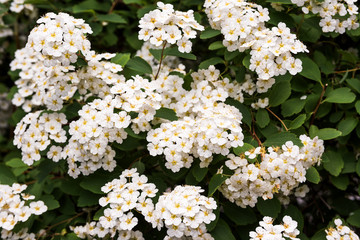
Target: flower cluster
(340,232)
(336,16)
(23,234)
(130,192)
(19,5)
(184,211)
(59,37)
(243,27)
(165,25)
(15,206)
(280,170)
(268,231)
(206,125)
(35,132)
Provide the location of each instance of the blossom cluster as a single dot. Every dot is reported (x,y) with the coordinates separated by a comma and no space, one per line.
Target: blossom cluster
(243,27)
(336,15)
(35,132)
(268,231)
(23,234)
(165,25)
(340,232)
(206,125)
(130,192)
(19,5)
(279,170)
(16,206)
(184,211)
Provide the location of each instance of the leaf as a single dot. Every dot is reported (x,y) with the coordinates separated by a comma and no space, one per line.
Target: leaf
(281,138)
(121,58)
(341,182)
(246,61)
(140,166)
(215,183)
(269,207)
(327,133)
(6,176)
(243,149)
(240,216)
(112,17)
(50,202)
(95,181)
(279,93)
(357,106)
(298,121)
(212,61)
(319,235)
(312,175)
(216,45)
(354,218)
(222,231)
(175,52)
(292,106)
(262,118)
(340,95)
(16,163)
(132,1)
(211,226)
(347,125)
(198,172)
(87,199)
(310,69)
(91,6)
(209,33)
(166,113)
(140,65)
(333,162)
(325,65)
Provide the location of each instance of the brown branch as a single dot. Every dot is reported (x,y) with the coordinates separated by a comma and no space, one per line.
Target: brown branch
(161,58)
(61,222)
(277,118)
(349,70)
(113,6)
(253,133)
(318,104)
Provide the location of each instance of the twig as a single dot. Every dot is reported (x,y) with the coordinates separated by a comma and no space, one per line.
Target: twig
(253,133)
(318,104)
(349,70)
(161,58)
(61,222)
(277,118)
(113,6)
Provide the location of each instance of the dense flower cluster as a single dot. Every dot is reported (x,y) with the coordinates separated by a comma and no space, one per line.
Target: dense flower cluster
(268,231)
(340,232)
(35,132)
(184,211)
(243,27)
(336,15)
(19,5)
(206,125)
(280,170)
(23,234)
(16,206)
(130,192)
(165,25)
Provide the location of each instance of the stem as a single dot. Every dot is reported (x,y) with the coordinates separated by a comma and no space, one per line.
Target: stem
(318,104)
(277,118)
(113,6)
(349,70)
(253,133)
(161,58)
(63,221)
(16,33)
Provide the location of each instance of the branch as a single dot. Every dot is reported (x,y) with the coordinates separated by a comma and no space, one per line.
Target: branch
(318,104)
(277,118)
(161,58)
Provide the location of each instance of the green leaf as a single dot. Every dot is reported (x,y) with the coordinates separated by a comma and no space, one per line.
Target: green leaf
(112,17)
(326,66)
(215,183)
(121,58)
(211,226)
(95,181)
(209,33)
(312,175)
(142,11)
(310,69)
(16,163)
(319,235)
(280,1)
(222,231)
(140,65)
(279,93)
(198,172)
(292,106)
(327,133)
(298,122)
(354,218)
(175,52)
(6,176)
(212,61)
(262,118)
(140,166)
(347,125)
(246,61)
(50,202)
(341,182)
(340,95)
(357,106)
(281,138)
(132,1)
(243,149)
(333,162)
(269,207)
(87,199)
(91,6)
(166,113)
(240,216)
(216,45)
